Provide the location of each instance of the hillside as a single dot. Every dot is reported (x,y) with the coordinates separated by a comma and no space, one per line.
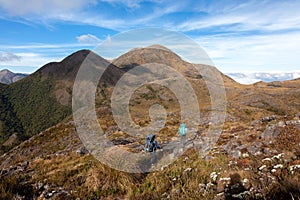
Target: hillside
(40,100)
(55,165)
(9,123)
(257,155)
(8,77)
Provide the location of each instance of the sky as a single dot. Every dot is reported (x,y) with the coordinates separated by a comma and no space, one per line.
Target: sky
(239,36)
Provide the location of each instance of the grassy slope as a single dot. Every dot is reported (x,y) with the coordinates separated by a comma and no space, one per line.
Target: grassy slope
(40,100)
(9,122)
(53,163)
(35,105)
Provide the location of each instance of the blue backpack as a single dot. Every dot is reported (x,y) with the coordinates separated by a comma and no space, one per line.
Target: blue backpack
(182,130)
(151,144)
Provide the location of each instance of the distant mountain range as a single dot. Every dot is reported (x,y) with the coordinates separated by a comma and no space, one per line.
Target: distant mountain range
(249,78)
(8,77)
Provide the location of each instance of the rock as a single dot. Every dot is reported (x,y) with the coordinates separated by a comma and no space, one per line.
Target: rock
(176,191)
(268,119)
(293,122)
(236,154)
(210,186)
(46,187)
(225,179)
(213,176)
(188,169)
(267,160)
(277,157)
(121,141)
(110,130)
(281,124)
(220,196)
(246,183)
(292,168)
(202,188)
(82,151)
(245,155)
(208,158)
(262,167)
(25,164)
(279,166)
(259,195)
(242,195)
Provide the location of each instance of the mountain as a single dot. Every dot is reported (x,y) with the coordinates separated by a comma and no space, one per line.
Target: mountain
(44,98)
(257,155)
(41,99)
(249,78)
(9,123)
(8,77)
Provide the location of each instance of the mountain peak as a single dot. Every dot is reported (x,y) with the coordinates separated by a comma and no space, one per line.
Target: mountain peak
(8,77)
(5,71)
(158,46)
(67,68)
(151,54)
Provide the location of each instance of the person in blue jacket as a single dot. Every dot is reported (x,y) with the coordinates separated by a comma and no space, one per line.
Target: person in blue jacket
(182,132)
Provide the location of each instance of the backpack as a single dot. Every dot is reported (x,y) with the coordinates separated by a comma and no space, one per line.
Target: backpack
(182,130)
(151,144)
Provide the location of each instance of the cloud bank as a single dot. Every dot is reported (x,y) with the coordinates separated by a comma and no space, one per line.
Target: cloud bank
(8,56)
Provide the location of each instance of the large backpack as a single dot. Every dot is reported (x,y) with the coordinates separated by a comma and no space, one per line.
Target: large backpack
(182,130)
(150,143)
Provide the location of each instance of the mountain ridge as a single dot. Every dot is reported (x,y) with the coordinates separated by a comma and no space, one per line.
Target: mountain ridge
(8,77)
(251,78)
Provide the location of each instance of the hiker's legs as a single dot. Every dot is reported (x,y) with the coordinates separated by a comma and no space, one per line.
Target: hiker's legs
(183,140)
(153,157)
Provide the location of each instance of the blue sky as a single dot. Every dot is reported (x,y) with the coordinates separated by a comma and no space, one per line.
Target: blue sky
(239,36)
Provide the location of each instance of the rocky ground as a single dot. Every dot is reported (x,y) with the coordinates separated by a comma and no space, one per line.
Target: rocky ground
(259,161)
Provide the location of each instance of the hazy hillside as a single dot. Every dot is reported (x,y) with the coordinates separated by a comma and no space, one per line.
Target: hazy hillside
(8,77)
(249,78)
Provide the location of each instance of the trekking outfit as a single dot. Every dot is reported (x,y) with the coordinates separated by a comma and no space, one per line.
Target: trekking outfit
(151,146)
(182,132)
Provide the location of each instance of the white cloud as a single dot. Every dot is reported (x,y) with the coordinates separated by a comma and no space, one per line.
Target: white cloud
(86,12)
(250,78)
(30,62)
(88,39)
(21,7)
(253,15)
(259,34)
(128,3)
(40,46)
(252,53)
(8,56)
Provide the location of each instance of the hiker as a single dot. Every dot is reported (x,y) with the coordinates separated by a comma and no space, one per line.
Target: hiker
(182,132)
(151,146)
